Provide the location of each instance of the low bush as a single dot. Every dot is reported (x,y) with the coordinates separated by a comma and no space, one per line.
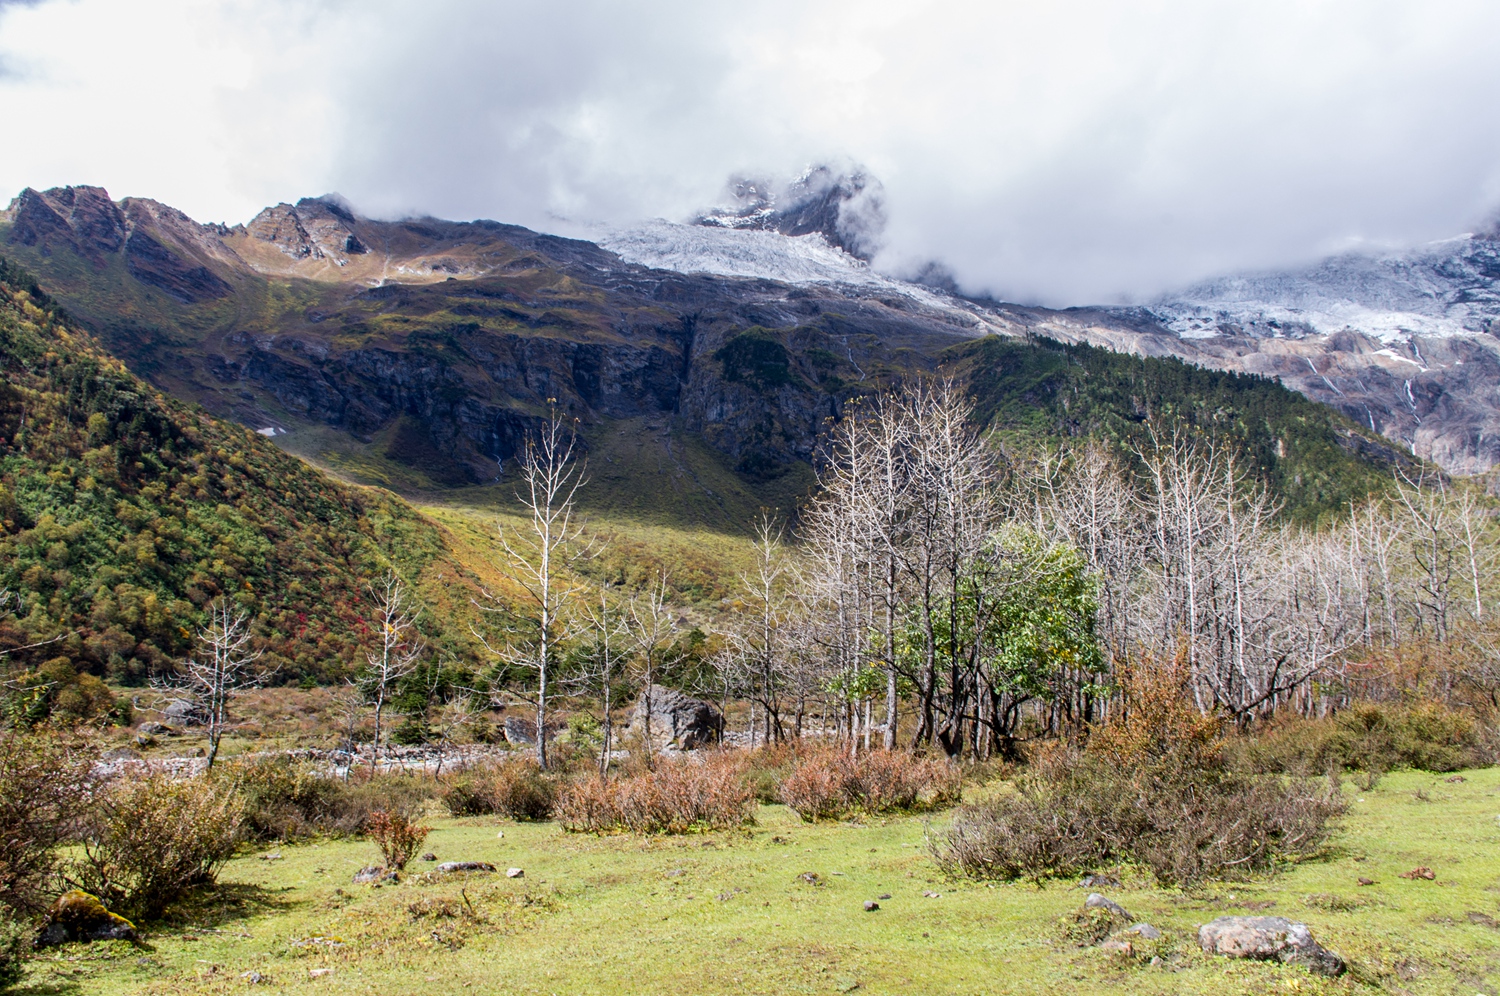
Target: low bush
(517,789)
(827,783)
(1152,788)
(147,841)
(1371,737)
(398,835)
(704,793)
(1075,812)
(766,768)
(43,787)
(286,800)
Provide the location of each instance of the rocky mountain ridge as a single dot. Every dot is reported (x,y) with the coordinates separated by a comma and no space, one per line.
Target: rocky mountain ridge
(704,361)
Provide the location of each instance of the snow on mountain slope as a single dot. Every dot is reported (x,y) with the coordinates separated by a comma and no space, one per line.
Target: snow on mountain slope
(788,259)
(1441,289)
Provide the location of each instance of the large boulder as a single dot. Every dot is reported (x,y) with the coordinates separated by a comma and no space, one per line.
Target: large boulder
(1268,938)
(81,916)
(677,720)
(184,712)
(521,731)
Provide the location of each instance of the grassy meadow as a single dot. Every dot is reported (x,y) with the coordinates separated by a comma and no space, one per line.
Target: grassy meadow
(730,912)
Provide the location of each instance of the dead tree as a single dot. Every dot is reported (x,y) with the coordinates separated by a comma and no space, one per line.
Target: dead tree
(225,662)
(651,626)
(398,654)
(539,557)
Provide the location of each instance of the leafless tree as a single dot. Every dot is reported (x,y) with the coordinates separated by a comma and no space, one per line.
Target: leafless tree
(539,558)
(651,625)
(757,648)
(453,714)
(397,655)
(224,663)
(609,630)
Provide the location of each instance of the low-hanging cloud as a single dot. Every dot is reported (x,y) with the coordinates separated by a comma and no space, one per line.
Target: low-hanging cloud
(1067,152)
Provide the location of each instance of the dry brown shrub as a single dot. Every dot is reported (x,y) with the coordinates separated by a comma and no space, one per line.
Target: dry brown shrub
(1154,721)
(827,783)
(288,800)
(1074,812)
(147,841)
(709,792)
(398,835)
(517,789)
(1371,737)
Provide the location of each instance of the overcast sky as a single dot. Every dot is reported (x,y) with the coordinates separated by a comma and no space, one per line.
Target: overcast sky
(1063,152)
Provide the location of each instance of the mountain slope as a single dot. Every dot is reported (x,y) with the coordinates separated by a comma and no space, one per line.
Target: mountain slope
(123,512)
(704,362)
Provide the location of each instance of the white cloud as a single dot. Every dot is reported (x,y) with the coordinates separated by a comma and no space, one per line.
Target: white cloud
(1066,152)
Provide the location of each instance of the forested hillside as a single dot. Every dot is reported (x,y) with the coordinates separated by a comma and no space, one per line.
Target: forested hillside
(124,512)
(1038,391)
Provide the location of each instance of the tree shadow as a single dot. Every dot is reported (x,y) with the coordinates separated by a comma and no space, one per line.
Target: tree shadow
(219,907)
(45,987)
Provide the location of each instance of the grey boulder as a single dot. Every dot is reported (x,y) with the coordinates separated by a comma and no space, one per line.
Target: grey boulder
(1269,938)
(677,720)
(1098,902)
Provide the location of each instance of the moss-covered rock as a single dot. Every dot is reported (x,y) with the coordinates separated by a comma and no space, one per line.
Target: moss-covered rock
(82,916)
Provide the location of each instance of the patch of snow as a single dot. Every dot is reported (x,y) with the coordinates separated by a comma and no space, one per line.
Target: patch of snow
(742,252)
(270,432)
(1399,358)
(800,260)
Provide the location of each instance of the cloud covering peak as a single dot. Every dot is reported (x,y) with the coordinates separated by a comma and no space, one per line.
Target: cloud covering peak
(1066,152)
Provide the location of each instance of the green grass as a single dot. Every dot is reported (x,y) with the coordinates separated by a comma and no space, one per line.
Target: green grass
(608,915)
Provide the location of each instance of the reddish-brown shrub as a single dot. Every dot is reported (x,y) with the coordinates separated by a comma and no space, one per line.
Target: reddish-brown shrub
(705,793)
(397,834)
(826,783)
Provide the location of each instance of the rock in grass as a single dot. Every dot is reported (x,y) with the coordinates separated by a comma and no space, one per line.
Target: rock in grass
(1269,938)
(871,906)
(1098,902)
(466,866)
(429,856)
(1144,931)
(375,874)
(82,916)
(515,873)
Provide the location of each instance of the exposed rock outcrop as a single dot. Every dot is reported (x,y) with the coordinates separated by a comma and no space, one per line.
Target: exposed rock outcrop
(676,720)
